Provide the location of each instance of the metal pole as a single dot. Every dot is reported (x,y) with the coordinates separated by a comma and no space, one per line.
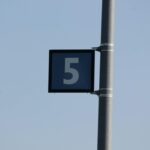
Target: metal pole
(106,72)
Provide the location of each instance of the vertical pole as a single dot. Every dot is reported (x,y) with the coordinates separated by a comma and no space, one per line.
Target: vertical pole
(106,72)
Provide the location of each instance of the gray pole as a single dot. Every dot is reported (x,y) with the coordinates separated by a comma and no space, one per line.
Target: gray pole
(106,72)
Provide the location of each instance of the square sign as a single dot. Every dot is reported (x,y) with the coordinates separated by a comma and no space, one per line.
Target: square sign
(71,70)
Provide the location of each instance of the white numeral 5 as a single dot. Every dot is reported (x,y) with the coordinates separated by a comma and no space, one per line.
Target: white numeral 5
(73,71)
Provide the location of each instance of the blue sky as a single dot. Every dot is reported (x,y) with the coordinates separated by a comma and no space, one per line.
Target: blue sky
(32,119)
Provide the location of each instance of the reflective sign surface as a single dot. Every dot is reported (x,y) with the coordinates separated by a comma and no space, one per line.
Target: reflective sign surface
(71,71)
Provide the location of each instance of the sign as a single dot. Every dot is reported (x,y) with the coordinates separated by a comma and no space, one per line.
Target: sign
(71,71)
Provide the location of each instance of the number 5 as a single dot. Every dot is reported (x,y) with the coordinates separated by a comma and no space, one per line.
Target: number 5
(68,69)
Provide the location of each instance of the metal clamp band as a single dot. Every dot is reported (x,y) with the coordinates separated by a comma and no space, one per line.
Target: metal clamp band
(105,95)
(106,47)
(103,92)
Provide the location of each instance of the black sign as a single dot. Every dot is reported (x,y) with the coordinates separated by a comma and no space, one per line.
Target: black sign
(71,70)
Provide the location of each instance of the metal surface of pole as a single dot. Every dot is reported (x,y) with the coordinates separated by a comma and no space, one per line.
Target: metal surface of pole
(106,76)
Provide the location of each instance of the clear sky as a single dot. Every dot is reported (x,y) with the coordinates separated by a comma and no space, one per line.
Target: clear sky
(32,119)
